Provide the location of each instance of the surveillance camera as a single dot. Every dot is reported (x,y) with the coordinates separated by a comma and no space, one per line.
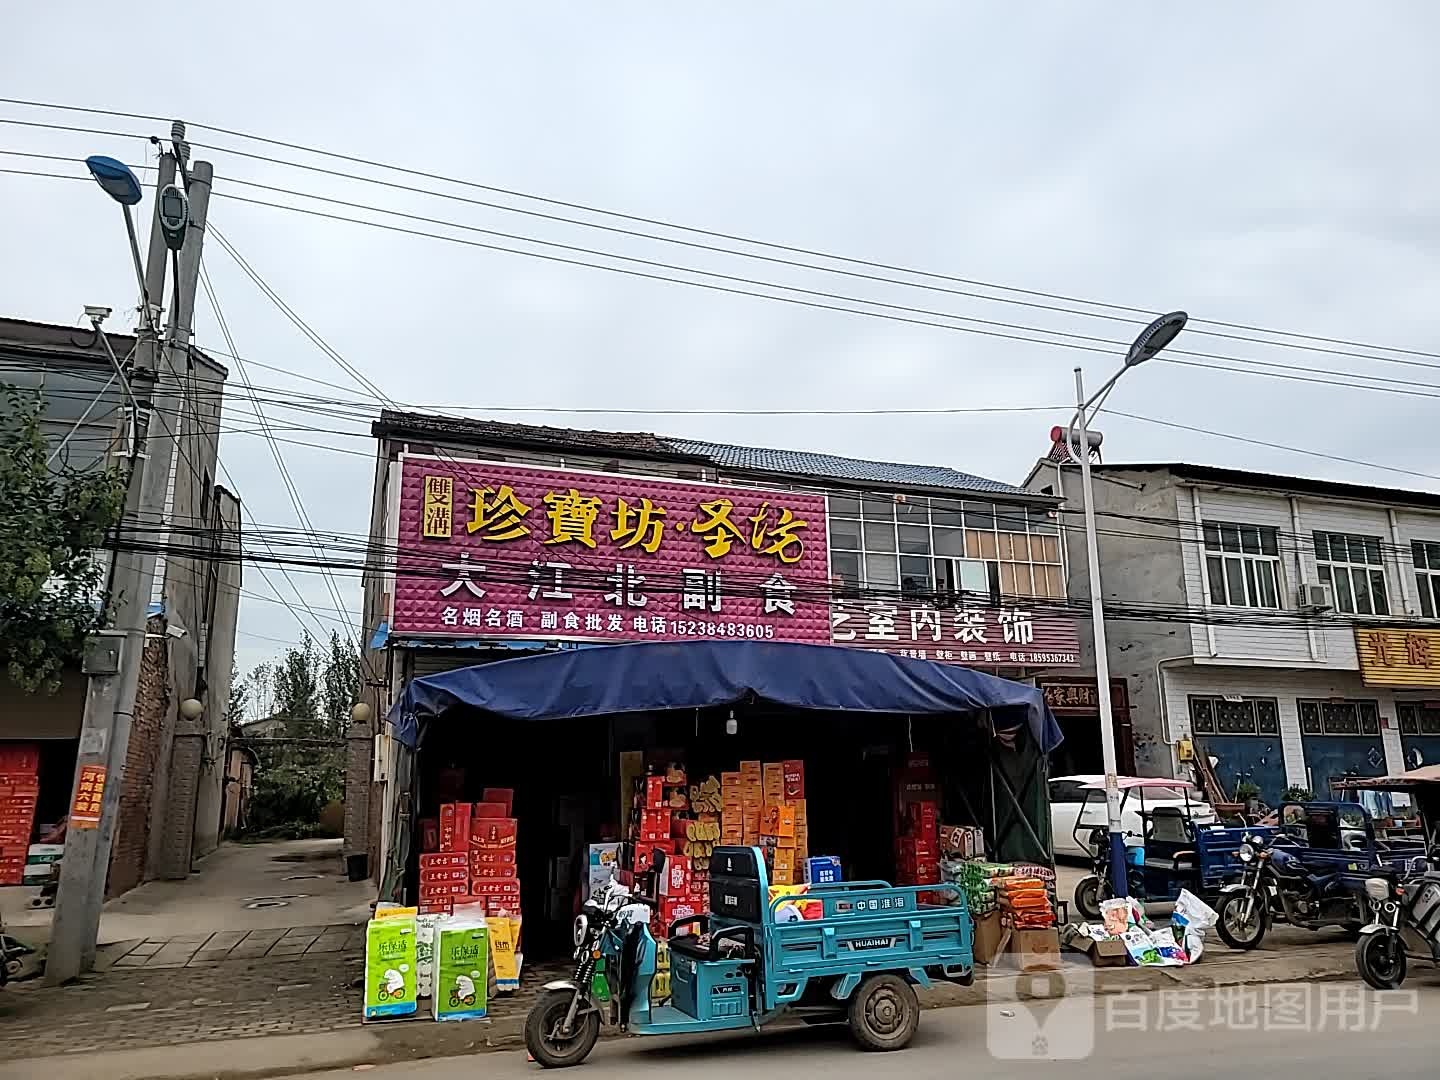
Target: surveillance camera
(97,312)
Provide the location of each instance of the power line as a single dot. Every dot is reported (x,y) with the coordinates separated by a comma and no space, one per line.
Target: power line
(640,219)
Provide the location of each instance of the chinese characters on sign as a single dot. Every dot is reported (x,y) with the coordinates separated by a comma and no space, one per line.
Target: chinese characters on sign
(89,797)
(502,550)
(1398,657)
(1004,637)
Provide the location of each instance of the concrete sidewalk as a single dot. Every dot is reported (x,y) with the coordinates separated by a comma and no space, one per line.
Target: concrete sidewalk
(273,1015)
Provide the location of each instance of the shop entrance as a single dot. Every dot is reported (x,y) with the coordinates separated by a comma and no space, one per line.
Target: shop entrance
(1076,705)
(564,737)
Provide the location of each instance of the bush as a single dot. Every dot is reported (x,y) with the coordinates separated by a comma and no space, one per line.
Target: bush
(289,798)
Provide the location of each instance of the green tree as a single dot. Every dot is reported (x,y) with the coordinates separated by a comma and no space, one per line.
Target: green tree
(297,679)
(341,685)
(239,697)
(52,522)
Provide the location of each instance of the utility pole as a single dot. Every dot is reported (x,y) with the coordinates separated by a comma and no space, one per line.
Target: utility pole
(113,658)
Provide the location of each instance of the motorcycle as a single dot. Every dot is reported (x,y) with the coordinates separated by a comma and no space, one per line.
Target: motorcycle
(1275,886)
(12,956)
(1406,926)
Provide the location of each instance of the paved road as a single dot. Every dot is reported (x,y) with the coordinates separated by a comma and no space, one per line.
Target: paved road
(1280,1033)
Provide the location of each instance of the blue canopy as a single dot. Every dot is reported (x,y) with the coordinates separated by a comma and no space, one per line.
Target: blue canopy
(656,676)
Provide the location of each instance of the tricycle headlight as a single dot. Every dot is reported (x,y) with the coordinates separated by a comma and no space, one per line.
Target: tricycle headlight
(1247,852)
(1377,888)
(582,930)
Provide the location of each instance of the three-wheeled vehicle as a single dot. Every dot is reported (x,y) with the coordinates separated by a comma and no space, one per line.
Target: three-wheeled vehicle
(1172,852)
(1309,871)
(741,966)
(1404,903)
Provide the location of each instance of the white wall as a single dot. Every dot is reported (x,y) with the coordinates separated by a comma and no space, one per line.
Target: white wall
(1286,687)
(1292,646)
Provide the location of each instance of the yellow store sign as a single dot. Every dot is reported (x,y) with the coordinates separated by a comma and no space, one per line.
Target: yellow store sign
(1398,657)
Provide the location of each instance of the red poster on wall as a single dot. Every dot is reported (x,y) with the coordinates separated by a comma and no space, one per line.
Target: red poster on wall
(89,796)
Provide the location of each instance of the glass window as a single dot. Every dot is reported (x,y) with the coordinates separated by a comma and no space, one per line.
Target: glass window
(844,506)
(881,570)
(879,535)
(946,512)
(914,576)
(1242,565)
(949,542)
(1426,554)
(877,508)
(980,516)
(845,566)
(1310,718)
(913,509)
(1339,717)
(1353,568)
(915,539)
(1234,716)
(1202,716)
(845,535)
(1409,717)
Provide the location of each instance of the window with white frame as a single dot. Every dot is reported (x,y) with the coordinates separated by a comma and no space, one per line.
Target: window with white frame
(1426,554)
(1242,565)
(1355,571)
(935,547)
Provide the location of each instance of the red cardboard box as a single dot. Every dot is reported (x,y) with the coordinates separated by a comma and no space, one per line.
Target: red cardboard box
(491,870)
(24,758)
(455,826)
(493,832)
(454,860)
(794,771)
(645,853)
(430,834)
(654,825)
(501,795)
(676,879)
(492,856)
(443,890)
(490,810)
(654,793)
(499,886)
(914,849)
(443,875)
(437,907)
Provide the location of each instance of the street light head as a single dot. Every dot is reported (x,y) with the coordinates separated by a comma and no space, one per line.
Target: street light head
(361,713)
(116,178)
(1155,337)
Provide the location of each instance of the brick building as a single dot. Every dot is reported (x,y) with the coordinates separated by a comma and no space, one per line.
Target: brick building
(170,806)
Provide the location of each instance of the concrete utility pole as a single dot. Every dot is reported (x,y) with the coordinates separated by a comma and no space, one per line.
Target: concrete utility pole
(113,658)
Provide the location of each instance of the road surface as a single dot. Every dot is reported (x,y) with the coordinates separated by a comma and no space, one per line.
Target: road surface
(1276,1032)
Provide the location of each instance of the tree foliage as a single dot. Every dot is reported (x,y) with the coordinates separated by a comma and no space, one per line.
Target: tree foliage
(312,689)
(52,522)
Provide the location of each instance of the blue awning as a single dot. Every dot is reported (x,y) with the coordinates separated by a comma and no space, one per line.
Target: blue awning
(657,676)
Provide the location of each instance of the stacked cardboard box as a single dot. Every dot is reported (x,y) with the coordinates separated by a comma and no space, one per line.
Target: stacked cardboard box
(752,801)
(918,857)
(493,855)
(732,810)
(19,790)
(784,827)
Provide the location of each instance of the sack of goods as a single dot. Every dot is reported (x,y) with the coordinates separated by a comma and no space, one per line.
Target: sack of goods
(1027,901)
(977,879)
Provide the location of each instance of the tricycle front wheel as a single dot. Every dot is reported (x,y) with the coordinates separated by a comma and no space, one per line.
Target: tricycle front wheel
(543,1036)
(1088,895)
(1380,959)
(884,1013)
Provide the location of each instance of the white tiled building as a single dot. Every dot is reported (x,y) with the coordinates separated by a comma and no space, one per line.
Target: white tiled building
(1236,600)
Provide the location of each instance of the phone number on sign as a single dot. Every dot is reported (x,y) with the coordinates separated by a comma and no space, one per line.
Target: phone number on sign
(695,628)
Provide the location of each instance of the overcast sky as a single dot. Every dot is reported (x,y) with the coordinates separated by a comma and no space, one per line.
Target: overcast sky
(1261,164)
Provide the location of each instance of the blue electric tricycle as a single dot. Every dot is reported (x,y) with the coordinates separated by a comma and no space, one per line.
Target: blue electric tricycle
(753,959)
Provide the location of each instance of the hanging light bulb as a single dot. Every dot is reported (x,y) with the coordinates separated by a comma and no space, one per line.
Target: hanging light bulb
(731,726)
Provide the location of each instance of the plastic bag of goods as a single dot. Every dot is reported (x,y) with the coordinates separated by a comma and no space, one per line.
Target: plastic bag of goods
(1191,918)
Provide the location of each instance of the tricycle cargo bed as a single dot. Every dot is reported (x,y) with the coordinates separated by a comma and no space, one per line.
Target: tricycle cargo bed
(870,926)
(1219,851)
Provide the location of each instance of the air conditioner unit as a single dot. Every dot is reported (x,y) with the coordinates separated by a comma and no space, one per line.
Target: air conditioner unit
(1316,597)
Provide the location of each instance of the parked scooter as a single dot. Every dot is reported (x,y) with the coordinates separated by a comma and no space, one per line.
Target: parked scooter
(1276,886)
(12,956)
(1406,926)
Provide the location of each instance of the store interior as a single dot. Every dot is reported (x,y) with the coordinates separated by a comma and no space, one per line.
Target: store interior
(569,784)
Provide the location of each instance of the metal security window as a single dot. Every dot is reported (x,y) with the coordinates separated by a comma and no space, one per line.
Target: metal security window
(1210,715)
(927,548)
(1355,571)
(1426,554)
(1339,718)
(1418,718)
(1242,565)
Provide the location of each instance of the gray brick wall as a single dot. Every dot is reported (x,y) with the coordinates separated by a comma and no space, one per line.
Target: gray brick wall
(177,828)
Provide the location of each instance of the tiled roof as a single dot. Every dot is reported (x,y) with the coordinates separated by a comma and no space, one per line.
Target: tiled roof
(532,435)
(719,455)
(841,468)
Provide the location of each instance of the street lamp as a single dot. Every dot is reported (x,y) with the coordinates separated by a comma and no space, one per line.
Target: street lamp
(117,181)
(1151,340)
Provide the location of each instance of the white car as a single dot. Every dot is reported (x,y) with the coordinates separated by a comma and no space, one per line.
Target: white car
(1068,794)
